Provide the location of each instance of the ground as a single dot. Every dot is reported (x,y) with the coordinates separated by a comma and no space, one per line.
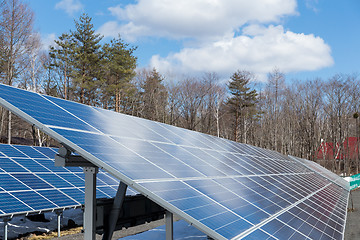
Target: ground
(352,229)
(122,233)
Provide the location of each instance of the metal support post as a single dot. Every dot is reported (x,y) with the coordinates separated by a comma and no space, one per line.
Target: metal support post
(6,220)
(169,225)
(115,211)
(90,202)
(58,213)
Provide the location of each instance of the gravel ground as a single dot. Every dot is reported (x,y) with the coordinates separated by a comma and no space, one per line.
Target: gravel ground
(352,229)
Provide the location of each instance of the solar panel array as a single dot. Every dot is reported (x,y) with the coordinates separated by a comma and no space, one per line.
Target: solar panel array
(226,189)
(323,171)
(29,181)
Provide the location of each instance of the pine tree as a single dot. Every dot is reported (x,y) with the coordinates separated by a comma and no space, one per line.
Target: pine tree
(119,69)
(154,96)
(86,59)
(242,100)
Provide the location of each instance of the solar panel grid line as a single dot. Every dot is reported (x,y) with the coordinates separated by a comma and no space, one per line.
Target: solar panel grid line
(322,171)
(140,155)
(22,150)
(305,188)
(314,166)
(20,200)
(71,114)
(215,202)
(272,168)
(319,220)
(31,209)
(214,178)
(249,202)
(335,212)
(25,151)
(38,163)
(51,187)
(97,131)
(174,134)
(179,160)
(208,163)
(274,216)
(109,135)
(273,235)
(135,138)
(322,216)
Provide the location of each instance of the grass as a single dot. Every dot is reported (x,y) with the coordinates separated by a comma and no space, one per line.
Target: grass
(52,235)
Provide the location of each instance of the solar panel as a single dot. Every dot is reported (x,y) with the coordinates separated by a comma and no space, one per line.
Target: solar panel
(29,182)
(227,190)
(323,171)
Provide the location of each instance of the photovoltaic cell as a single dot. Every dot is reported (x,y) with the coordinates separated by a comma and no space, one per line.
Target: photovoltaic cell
(323,171)
(29,181)
(226,189)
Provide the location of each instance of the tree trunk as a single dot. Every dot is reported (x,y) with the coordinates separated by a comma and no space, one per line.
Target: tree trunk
(236,126)
(9,129)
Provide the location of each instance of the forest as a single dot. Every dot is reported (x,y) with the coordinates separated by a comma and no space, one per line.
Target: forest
(298,117)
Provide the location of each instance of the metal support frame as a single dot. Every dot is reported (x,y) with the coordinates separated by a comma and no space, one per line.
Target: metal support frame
(169,225)
(65,159)
(6,220)
(115,211)
(90,203)
(58,213)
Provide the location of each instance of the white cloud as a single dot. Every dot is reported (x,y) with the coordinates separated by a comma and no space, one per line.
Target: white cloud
(194,18)
(48,40)
(312,4)
(215,37)
(70,6)
(260,49)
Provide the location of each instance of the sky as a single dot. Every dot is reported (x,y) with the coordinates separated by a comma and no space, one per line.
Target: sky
(304,39)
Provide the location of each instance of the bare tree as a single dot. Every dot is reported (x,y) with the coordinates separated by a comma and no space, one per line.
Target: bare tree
(153,95)
(337,110)
(31,78)
(16,26)
(275,88)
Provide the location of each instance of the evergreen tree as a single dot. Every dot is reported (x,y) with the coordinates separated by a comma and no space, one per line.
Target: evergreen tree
(242,101)
(154,97)
(62,57)
(119,69)
(87,58)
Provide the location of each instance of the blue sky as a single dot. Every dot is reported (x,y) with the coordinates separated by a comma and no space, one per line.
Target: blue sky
(304,39)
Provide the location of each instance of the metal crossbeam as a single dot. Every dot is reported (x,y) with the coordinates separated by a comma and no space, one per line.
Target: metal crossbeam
(65,159)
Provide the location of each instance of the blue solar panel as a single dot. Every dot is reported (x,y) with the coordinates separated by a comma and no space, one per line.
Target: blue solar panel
(322,171)
(32,183)
(9,204)
(34,200)
(226,189)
